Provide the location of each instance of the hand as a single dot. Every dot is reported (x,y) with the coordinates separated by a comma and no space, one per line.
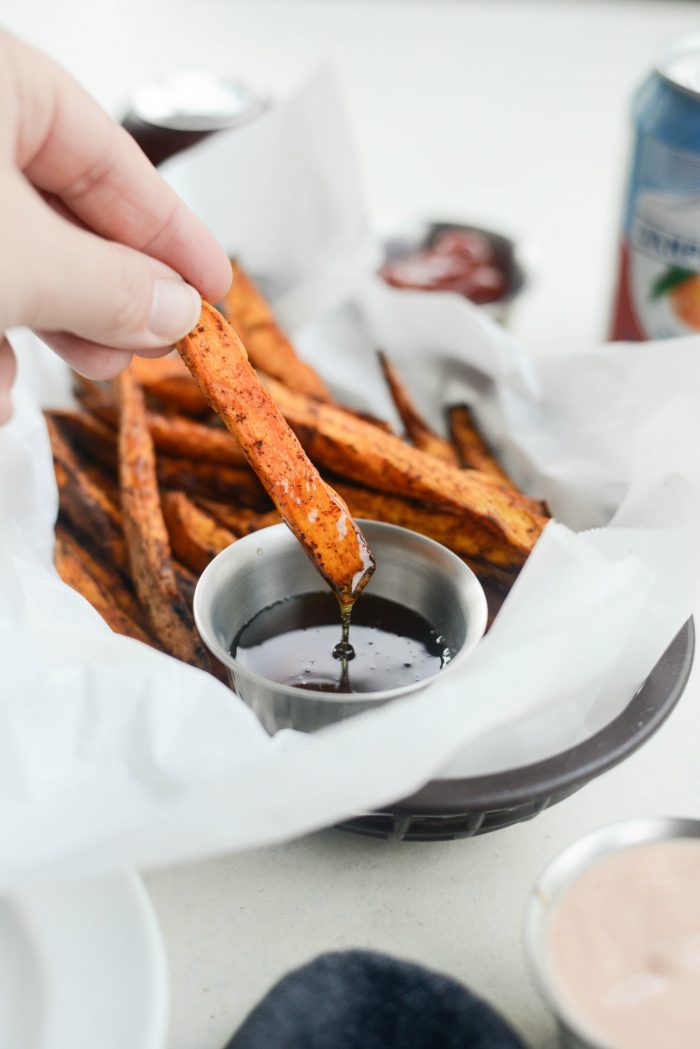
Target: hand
(97,254)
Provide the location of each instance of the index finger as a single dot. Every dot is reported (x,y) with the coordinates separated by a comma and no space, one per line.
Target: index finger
(66,145)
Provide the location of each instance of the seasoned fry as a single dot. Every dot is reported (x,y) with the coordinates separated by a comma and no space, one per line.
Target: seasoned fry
(85,504)
(195,537)
(98,400)
(359,451)
(88,436)
(458,532)
(354,413)
(422,435)
(212,479)
(186,582)
(369,417)
(268,347)
(74,569)
(174,434)
(164,378)
(145,531)
(471,447)
(317,516)
(183,438)
(108,578)
(168,381)
(241,520)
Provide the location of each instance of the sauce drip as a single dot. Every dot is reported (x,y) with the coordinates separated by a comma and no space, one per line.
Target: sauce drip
(344,650)
(295,642)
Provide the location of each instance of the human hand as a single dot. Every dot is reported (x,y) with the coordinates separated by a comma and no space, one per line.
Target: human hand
(97,253)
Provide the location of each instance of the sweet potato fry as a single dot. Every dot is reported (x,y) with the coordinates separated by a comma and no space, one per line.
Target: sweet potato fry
(186,582)
(195,537)
(145,531)
(98,400)
(168,381)
(184,438)
(486,552)
(164,379)
(74,569)
(471,447)
(88,436)
(240,520)
(268,347)
(214,480)
(107,576)
(359,451)
(354,413)
(369,417)
(173,434)
(317,516)
(84,503)
(422,435)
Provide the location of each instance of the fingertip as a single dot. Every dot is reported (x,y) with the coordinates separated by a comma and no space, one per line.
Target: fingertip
(220,280)
(150,353)
(101,364)
(91,360)
(175,309)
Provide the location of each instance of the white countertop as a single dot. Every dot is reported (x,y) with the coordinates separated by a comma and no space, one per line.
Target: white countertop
(509,112)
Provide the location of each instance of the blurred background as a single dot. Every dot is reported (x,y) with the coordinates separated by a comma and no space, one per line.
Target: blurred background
(507,113)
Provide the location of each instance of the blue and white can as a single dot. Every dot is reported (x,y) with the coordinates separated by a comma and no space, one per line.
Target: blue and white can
(658,285)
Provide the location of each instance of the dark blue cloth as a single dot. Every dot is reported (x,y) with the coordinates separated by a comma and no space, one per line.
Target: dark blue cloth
(363,1000)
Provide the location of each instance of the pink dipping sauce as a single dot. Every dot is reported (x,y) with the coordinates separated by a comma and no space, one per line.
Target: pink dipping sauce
(624,947)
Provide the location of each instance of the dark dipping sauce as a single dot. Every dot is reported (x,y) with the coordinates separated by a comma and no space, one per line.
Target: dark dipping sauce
(295,642)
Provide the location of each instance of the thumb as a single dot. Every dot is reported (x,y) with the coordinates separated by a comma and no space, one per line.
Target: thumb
(75,281)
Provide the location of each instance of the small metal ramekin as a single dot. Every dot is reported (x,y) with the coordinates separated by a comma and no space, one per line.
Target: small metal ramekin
(270,565)
(560,875)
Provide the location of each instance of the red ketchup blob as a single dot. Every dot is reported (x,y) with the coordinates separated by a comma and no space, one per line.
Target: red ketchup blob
(458,260)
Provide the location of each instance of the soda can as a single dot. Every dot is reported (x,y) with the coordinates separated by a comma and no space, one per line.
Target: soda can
(658,281)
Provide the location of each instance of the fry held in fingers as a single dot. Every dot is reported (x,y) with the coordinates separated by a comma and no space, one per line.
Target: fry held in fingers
(317,516)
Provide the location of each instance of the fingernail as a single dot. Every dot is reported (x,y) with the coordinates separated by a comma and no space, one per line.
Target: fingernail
(175,309)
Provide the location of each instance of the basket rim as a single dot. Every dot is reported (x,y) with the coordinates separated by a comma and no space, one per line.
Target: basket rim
(565,772)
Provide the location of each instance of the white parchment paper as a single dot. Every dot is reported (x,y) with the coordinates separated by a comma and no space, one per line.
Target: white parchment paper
(112,754)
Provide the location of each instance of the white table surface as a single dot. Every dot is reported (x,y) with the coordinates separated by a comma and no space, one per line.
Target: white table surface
(507,111)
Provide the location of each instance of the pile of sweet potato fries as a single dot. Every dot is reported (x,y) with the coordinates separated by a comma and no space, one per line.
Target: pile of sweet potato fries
(152,485)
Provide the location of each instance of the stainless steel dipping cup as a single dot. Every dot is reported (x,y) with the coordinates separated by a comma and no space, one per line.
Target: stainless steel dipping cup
(270,565)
